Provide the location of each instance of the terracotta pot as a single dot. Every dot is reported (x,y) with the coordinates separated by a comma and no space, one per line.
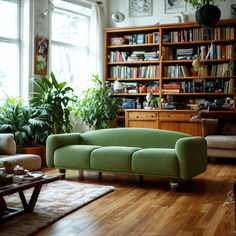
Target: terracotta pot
(207,15)
(32,150)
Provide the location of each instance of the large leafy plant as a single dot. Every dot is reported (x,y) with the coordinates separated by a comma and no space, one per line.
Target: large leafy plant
(28,125)
(98,106)
(54,99)
(199,3)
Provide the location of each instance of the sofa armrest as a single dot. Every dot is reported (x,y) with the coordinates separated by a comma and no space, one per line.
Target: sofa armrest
(192,156)
(56,141)
(7,144)
(210,127)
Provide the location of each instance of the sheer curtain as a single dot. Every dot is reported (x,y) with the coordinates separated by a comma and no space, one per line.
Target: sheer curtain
(96,45)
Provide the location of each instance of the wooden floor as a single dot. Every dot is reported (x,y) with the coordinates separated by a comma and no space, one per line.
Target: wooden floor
(153,209)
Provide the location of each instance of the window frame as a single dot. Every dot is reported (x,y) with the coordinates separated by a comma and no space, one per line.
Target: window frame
(16,41)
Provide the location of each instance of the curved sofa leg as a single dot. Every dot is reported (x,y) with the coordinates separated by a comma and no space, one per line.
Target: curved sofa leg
(62,173)
(174,183)
(81,174)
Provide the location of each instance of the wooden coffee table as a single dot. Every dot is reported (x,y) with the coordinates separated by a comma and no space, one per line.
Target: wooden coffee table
(20,187)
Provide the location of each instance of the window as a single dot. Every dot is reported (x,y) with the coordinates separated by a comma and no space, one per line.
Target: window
(9,48)
(70,40)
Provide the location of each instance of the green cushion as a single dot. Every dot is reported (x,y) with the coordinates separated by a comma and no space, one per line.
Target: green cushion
(132,137)
(112,158)
(73,156)
(156,161)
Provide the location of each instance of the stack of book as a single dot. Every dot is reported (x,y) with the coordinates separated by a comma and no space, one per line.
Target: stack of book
(151,56)
(184,54)
(136,56)
(171,88)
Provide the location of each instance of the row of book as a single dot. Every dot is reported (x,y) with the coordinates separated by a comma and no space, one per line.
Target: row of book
(143,38)
(123,72)
(199,86)
(117,56)
(205,70)
(201,34)
(217,51)
(176,71)
(215,70)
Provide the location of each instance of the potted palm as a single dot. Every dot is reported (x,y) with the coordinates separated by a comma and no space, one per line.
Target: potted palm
(54,99)
(206,15)
(98,108)
(28,125)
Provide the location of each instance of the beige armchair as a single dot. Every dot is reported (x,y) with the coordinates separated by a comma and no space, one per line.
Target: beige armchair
(220,136)
(8,155)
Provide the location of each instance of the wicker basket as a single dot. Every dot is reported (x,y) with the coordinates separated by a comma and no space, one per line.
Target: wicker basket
(118,40)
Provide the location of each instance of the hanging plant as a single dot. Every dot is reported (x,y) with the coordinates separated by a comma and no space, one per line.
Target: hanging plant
(206,15)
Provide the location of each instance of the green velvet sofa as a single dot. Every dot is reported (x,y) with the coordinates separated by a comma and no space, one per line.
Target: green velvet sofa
(137,151)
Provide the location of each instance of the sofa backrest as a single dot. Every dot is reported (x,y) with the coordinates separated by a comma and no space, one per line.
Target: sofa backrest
(132,137)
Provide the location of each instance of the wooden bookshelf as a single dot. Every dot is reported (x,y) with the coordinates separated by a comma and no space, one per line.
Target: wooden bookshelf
(190,37)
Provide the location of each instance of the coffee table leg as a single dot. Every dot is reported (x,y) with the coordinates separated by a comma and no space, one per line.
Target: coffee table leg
(30,206)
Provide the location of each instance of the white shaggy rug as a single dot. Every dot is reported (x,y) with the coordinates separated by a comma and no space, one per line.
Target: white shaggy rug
(55,200)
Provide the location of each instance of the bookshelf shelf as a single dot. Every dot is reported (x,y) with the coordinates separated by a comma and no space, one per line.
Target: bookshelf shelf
(133,63)
(199,42)
(134,45)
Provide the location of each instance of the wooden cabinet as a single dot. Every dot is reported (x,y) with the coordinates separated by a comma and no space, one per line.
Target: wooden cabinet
(180,121)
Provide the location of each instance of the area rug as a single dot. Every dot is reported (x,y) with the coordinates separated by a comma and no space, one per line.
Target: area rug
(56,200)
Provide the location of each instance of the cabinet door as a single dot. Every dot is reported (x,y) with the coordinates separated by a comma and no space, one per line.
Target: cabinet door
(152,124)
(194,129)
(173,126)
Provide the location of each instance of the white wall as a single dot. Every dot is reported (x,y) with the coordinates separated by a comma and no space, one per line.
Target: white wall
(158,13)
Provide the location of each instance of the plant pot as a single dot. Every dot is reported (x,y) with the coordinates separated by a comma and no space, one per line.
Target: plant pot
(207,15)
(32,150)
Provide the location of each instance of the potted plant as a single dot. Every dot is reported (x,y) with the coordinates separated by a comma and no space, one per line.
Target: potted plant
(28,125)
(54,99)
(206,15)
(98,108)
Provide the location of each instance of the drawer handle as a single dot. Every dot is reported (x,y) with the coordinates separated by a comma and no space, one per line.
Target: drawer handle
(137,116)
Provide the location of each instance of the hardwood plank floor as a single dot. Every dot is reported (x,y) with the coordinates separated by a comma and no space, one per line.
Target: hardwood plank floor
(153,209)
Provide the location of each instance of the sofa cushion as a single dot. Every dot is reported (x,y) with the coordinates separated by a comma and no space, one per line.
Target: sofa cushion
(112,158)
(156,161)
(28,161)
(74,156)
(221,141)
(7,144)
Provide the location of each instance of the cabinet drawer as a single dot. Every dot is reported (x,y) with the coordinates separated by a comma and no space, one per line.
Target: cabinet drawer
(176,116)
(143,115)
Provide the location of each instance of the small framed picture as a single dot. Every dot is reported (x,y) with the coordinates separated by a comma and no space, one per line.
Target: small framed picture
(138,8)
(175,6)
(41,56)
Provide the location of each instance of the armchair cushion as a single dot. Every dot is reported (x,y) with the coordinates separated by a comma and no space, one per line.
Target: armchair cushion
(7,144)
(221,141)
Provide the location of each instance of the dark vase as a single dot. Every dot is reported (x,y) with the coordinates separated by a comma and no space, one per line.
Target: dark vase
(207,15)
